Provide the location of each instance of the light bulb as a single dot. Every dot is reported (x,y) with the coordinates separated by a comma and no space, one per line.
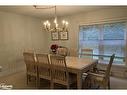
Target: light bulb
(55,20)
(47,21)
(44,23)
(56,25)
(63,21)
(66,23)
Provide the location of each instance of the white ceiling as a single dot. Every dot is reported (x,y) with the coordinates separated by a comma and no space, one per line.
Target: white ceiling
(62,10)
(47,13)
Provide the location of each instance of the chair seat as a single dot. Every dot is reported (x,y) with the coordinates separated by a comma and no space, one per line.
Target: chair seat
(98,77)
(31,73)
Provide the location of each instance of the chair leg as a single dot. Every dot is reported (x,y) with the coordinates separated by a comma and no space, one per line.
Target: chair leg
(27,79)
(87,82)
(68,86)
(52,85)
(109,83)
(37,82)
(105,85)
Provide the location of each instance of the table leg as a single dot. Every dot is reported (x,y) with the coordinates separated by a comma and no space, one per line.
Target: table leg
(79,80)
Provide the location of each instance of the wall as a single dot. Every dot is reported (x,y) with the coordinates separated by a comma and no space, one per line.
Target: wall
(18,33)
(93,17)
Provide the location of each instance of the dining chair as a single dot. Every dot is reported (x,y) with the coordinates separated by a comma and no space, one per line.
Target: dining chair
(73,52)
(43,67)
(31,67)
(62,51)
(101,79)
(86,53)
(59,71)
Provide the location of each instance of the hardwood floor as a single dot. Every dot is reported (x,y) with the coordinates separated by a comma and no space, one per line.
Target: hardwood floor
(18,80)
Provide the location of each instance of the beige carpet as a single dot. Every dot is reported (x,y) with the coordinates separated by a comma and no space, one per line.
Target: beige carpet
(18,80)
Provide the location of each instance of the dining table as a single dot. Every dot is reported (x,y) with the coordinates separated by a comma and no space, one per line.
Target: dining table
(78,66)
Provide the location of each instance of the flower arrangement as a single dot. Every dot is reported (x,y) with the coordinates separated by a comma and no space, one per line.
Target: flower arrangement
(54,47)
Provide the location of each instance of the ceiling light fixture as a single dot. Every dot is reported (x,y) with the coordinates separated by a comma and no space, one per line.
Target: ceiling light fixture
(47,25)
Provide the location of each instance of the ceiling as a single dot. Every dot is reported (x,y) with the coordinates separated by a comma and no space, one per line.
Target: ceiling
(61,10)
(48,13)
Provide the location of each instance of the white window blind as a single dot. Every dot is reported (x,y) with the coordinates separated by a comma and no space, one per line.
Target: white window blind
(104,39)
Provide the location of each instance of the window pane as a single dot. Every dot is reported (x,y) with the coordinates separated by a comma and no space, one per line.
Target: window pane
(89,38)
(113,40)
(114,31)
(89,33)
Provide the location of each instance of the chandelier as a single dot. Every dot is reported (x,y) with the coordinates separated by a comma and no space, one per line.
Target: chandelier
(56,28)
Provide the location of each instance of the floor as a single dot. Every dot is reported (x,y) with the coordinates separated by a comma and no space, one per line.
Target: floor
(18,81)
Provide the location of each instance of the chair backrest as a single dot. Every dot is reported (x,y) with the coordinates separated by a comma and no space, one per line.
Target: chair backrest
(73,52)
(29,60)
(59,69)
(107,73)
(62,51)
(43,66)
(86,53)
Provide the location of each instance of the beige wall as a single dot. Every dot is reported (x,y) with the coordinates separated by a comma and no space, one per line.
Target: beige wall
(18,33)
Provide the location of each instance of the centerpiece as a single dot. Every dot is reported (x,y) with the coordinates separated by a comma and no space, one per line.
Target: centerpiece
(54,48)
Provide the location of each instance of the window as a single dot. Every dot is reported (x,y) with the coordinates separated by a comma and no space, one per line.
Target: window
(89,38)
(104,39)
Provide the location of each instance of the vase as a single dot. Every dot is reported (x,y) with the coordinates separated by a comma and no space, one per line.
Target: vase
(54,51)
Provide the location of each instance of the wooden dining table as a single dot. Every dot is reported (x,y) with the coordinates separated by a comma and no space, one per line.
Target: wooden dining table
(79,66)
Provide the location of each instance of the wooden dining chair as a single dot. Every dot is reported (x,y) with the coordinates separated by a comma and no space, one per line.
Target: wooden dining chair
(86,53)
(73,52)
(31,67)
(59,71)
(62,51)
(101,79)
(43,67)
